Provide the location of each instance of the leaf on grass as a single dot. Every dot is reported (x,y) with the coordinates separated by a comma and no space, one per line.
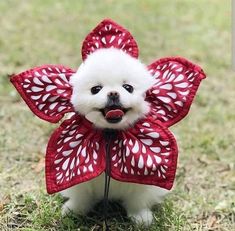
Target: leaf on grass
(204,160)
(6,200)
(226,168)
(212,221)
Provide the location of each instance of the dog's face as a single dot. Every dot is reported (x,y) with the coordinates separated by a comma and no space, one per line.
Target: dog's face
(109,89)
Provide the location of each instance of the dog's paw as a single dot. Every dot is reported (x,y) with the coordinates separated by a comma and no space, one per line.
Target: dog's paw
(69,207)
(142,217)
(65,210)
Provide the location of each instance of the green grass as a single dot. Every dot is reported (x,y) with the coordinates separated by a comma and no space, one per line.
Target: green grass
(37,32)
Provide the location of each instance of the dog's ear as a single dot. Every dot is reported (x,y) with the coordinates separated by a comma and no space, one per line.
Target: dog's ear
(46,90)
(177,81)
(109,34)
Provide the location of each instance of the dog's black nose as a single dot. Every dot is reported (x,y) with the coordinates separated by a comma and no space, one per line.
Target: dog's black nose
(113,95)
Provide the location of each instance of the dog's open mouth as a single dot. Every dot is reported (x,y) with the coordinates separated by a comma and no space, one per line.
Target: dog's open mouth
(113,114)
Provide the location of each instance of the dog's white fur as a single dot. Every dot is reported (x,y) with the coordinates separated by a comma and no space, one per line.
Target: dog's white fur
(111,68)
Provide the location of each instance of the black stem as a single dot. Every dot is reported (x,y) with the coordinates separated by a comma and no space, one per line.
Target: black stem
(109,136)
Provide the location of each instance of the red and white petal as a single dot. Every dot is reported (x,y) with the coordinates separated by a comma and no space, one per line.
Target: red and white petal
(46,90)
(145,154)
(109,34)
(177,81)
(75,153)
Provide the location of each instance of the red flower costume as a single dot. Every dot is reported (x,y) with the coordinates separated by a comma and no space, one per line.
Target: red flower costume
(146,153)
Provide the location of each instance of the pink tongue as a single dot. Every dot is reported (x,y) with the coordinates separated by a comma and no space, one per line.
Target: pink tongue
(114,114)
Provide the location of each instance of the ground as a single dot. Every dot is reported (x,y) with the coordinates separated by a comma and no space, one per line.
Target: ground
(38,32)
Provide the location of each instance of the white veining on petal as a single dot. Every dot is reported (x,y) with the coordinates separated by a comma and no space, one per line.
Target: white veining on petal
(103,40)
(37,81)
(44,98)
(155,92)
(90,168)
(46,79)
(78,136)
(146,124)
(53,98)
(67,153)
(182,85)
(65,164)
(146,172)
(36,89)
(87,159)
(180,103)
(35,97)
(127,151)
(61,108)
(53,105)
(62,76)
(179,78)
(164,143)
(95,156)
(114,157)
(172,76)
(50,87)
(74,144)
(58,161)
(67,139)
(158,159)
(172,95)
(141,162)
(149,161)
(84,152)
(97,45)
(112,38)
(84,169)
(161,112)
(144,149)
(179,69)
(164,99)
(72,163)
(165,74)
(44,71)
(167,86)
(162,169)
(25,86)
(153,134)
(59,176)
(133,161)
(147,141)
(135,149)
(37,74)
(155,149)
(184,93)
(119,41)
(40,106)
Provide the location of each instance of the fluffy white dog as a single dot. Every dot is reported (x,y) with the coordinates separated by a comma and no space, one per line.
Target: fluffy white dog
(109,90)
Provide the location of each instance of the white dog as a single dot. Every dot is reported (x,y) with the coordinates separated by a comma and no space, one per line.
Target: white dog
(109,90)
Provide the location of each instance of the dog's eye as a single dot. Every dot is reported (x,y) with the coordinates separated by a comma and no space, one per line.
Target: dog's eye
(128,87)
(96,89)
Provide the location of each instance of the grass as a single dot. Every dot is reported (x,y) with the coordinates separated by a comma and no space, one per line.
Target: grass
(37,32)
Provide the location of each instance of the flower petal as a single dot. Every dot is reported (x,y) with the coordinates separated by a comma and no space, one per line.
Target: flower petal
(151,163)
(73,159)
(46,90)
(177,81)
(109,34)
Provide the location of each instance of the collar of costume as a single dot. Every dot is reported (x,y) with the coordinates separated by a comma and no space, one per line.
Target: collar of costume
(145,153)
